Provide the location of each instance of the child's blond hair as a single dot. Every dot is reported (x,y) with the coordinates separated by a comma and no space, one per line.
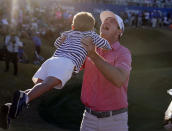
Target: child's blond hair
(83,21)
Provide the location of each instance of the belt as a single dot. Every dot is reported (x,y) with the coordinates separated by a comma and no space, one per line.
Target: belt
(106,113)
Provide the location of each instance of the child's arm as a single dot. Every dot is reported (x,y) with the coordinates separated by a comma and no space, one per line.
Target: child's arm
(59,41)
(100,42)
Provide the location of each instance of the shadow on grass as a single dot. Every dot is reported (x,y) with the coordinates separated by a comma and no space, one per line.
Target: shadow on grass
(64,108)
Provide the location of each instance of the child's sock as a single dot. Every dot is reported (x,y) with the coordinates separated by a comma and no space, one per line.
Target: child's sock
(27,99)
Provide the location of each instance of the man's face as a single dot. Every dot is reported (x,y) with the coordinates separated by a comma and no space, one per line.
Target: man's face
(109,29)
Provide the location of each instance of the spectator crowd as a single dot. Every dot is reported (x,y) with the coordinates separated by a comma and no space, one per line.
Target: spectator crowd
(146,3)
(36,22)
(28,21)
(155,18)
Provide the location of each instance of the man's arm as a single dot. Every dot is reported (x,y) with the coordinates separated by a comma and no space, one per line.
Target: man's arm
(116,75)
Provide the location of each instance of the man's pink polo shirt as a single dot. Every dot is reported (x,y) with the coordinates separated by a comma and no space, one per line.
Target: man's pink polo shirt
(97,92)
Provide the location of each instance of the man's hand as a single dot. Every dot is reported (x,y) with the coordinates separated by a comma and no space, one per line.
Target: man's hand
(89,46)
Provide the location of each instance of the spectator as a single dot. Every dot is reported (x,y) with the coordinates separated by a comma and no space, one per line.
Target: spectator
(12,43)
(154,19)
(21,55)
(165,20)
(160,21)
(147,17)
(139,21)
(3,49)
(4,21)
(37,43)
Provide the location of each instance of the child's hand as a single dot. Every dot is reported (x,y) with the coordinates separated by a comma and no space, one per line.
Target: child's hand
(63,39)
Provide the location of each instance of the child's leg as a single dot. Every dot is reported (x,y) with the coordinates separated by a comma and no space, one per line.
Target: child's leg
(42,86)
(21,98)
(38,81)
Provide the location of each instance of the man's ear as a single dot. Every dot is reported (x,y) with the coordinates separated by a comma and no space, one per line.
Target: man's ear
(72,26)
(120,32)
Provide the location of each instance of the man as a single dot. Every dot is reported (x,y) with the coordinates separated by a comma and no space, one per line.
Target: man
(105,81)
(12,43)
(37,42)
(3,49)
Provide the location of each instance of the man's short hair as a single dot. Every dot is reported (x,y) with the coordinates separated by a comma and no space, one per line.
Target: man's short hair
(83,21)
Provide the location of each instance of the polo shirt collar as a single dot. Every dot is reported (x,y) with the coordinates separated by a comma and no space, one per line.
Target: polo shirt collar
(115,45)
